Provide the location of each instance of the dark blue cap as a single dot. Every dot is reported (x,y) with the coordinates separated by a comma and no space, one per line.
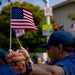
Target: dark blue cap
(3,54)
(60,37)
(35,56)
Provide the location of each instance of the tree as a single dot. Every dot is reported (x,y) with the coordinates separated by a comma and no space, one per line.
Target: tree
(71,15)
(31,39)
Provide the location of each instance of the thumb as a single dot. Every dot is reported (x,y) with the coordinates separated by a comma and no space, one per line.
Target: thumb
(23,49)
(25,52)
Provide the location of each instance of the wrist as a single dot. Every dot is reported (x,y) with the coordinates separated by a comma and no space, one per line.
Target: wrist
(28,67)
(27,58)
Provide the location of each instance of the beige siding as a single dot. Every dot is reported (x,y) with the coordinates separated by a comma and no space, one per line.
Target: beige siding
(61,15)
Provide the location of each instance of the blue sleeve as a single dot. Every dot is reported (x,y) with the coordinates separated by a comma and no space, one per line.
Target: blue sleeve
(65,68)
(13,72)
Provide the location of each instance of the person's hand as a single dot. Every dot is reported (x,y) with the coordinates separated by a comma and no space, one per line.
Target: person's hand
(26,54)
(17,61)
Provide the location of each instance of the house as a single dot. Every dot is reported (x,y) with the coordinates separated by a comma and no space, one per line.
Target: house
(61,11)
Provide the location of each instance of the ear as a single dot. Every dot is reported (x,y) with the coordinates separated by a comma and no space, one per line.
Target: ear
(60,48)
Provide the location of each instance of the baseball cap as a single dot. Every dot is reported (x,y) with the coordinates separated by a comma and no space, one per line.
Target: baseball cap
(3,54)
(35,56)
(60,37)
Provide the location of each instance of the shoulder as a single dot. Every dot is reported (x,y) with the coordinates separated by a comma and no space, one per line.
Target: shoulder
(57,70)
(67,64)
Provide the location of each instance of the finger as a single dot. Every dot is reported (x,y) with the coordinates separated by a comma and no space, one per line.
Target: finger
(16,59)
(12,64)
(23,49)
(21,62)
(25,52)
(10,54)
(15,54)
(19,68)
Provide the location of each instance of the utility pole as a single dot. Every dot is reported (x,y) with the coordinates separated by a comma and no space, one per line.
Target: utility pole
(47,17)
(0,2)
(17,0)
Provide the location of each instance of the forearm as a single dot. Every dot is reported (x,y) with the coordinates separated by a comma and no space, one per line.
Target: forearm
(40,69)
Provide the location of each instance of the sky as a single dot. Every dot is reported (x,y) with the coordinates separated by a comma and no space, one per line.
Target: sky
(40,3)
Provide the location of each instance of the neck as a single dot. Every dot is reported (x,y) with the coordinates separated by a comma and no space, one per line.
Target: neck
(65,54)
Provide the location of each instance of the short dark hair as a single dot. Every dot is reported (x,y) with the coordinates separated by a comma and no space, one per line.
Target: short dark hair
(67,48)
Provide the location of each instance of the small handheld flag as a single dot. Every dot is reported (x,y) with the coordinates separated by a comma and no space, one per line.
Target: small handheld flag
(22,19)
(72,28)
(19,33)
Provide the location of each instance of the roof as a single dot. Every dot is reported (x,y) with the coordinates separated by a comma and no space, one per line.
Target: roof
(63,3)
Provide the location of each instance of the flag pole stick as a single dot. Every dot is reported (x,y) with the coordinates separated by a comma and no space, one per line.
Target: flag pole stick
(10,38)
(10,24)
(19,42)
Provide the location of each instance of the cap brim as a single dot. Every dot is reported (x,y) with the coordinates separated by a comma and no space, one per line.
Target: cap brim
(45,45)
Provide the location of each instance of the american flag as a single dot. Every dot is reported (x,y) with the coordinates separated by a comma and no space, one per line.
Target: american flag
(22,19)
(72,27)
(19,33)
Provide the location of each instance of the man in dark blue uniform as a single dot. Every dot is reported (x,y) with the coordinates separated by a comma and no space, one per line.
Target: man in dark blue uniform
(4,66)
(61,50)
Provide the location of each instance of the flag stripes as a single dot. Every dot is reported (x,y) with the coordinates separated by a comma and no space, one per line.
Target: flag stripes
(22,19)
(19,33)
(72,28)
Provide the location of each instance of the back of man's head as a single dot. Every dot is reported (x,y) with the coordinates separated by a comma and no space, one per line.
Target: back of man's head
(3,55)
(61,37)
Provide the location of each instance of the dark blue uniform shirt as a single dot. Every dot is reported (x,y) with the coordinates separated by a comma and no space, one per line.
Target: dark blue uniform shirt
(68,64)
(6,70)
